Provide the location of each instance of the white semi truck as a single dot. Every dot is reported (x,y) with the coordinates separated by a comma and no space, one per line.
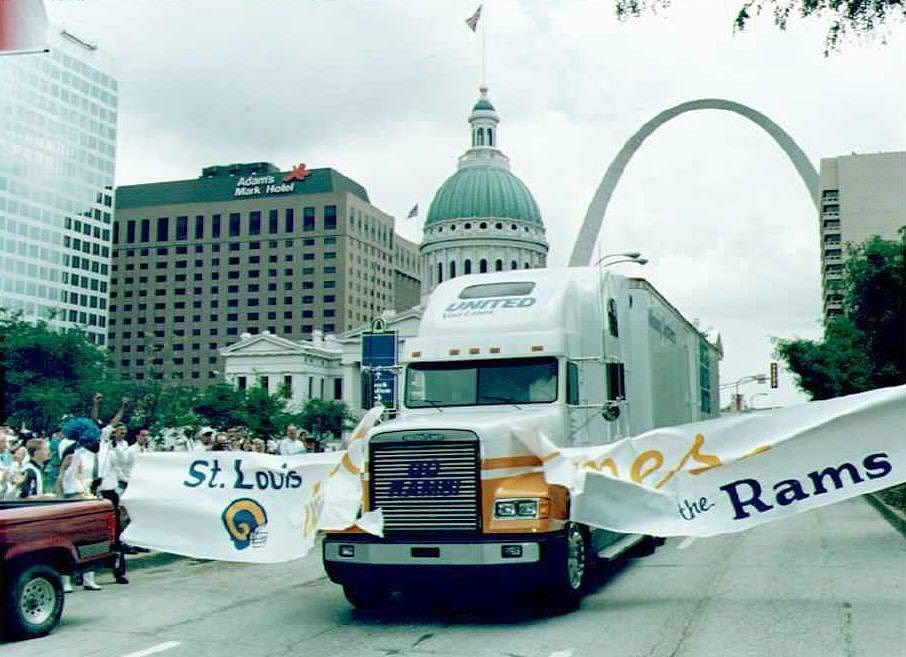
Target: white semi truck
(586,356)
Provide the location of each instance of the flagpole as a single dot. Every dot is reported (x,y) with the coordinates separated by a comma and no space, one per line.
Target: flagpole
(484,55)
(9,53)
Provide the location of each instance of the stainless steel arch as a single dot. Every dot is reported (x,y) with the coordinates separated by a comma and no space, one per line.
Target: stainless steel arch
(594,218)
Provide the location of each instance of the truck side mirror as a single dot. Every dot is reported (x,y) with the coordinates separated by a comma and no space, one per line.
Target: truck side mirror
(611,411)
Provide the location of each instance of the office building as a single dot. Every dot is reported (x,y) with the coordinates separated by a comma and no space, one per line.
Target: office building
(861,196)
(57,151)
(244,248)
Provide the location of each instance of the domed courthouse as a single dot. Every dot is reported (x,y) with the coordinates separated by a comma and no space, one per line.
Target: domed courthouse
(483,218)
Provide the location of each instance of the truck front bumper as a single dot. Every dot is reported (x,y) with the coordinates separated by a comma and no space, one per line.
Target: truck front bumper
(399,563)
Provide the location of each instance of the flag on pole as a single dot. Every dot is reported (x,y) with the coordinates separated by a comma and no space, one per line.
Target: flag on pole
(472,21)
(23,26)
(413,212)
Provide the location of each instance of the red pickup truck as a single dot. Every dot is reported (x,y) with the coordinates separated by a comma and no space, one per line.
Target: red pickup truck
(40,540)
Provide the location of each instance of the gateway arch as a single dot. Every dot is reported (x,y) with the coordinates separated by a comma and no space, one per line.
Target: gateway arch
(594,218)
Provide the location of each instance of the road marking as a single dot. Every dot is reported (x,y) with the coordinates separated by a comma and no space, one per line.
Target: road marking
(562,653)
(686,542)
(153,650)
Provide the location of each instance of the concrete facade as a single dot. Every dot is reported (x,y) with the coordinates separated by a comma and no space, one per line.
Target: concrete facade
(244,248)
(861,196)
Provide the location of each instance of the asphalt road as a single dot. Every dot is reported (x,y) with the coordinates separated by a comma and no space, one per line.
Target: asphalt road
(830,582)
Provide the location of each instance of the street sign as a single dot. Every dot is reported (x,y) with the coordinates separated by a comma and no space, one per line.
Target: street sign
(774,377)
(379,359)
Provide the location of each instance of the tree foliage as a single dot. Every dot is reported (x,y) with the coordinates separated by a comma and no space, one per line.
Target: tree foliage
(859,17)
(46,374)
(322,416)
(865,347)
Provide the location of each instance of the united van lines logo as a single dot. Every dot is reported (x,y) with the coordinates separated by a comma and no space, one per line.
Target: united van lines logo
(485,306)
(246,523)
(299,173)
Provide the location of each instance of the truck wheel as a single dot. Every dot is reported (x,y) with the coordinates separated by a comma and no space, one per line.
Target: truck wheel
(366,596)
(573,571)
(34,601)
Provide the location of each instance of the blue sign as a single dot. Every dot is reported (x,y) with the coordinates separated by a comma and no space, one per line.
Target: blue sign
(383,385)
(378,349)
(379,361)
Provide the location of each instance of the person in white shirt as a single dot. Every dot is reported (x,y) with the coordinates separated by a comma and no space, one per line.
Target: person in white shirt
(293,443)
(204,440)
(112,462)
(142,438)
(78,473)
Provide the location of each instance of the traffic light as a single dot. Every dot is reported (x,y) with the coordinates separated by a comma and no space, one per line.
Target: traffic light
(773,375)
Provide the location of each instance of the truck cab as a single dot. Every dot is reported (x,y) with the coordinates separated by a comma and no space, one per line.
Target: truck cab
(461,495)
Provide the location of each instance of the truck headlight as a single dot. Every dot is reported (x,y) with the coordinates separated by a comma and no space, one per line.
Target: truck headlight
(520,509)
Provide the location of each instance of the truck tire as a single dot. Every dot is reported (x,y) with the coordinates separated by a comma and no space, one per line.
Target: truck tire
(366,596)
(33,601)
(572,573)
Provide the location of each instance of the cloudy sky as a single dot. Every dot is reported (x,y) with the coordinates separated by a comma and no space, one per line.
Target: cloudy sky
(380,90)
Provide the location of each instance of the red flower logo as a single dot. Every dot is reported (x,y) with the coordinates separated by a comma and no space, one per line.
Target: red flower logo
(298,173)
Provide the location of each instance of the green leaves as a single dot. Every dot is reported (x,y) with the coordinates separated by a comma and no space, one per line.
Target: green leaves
(865,348)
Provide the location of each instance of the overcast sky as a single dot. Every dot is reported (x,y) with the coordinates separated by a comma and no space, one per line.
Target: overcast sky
(380,90)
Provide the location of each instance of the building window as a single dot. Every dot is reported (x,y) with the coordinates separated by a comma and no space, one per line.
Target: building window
(215,225)
(182,229)
(199,227)
(287,390)
(338,388)
(330,217)
(498,265)
(163,229)
(483,266)
(255,222)
(612,324)
(467,267)
(145,235)
(308,219)
(234,224)
(440,272)
(452,269)
(130,233)
(273,222)
(290,220)
(240,382)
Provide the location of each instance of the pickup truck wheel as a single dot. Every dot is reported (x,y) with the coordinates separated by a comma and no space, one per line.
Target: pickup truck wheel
(34,601)
(366,596)
(573,571)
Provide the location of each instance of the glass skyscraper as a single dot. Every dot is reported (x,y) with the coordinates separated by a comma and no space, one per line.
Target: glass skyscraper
(57,150)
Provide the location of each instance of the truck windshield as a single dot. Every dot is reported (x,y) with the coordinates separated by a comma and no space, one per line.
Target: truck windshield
(482,382)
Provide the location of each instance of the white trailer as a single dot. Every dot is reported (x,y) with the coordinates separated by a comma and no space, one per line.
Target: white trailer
(587,356)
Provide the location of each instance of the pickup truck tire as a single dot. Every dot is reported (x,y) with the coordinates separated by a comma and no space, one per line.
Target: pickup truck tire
(366,596)
(571,578)
(33,601)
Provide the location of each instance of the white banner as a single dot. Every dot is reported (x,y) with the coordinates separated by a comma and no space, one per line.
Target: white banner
(736,472)
(245,506)
(231,506)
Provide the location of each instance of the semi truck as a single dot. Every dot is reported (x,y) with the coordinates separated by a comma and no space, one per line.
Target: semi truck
(587,357)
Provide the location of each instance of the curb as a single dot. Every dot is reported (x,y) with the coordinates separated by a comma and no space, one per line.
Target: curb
(152,560)
(897,519)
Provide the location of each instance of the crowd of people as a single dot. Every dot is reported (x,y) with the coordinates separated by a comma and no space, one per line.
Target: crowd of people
(87,457)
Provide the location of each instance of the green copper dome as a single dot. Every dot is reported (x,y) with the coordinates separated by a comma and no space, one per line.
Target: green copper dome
(483,104)
(483,191)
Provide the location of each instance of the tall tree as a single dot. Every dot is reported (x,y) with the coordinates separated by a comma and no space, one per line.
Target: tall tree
(860,17)
(865,347)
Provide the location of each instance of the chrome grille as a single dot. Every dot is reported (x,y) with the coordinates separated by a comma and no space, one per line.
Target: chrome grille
(426,486)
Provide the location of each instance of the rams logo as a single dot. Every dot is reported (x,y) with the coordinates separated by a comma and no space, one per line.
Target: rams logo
(246,523)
